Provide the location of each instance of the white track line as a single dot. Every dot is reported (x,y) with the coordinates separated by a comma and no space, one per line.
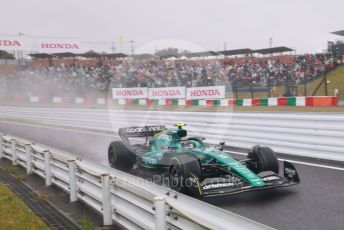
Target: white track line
(108,135)
(296,162)
(59,128)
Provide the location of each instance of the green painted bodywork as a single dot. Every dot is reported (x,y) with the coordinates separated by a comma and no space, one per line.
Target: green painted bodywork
(170,140)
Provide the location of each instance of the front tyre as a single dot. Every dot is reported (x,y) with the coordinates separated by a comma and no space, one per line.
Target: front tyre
(185,174)
(263,159)
(120,157)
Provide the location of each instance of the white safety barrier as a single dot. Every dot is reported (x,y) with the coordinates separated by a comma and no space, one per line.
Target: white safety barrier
(318,135)
(131,201)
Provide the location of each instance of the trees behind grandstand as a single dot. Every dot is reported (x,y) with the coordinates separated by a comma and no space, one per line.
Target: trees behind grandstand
(6,55)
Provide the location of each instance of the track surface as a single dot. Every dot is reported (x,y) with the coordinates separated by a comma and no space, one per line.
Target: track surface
(317,203)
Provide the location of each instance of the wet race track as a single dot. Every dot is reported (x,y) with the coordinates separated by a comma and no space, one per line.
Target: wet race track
(317,203)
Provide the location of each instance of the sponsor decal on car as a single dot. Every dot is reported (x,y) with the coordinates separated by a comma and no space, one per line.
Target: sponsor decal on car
(148,160)
(142,129)
(290,172)
(271,178)
(220,185)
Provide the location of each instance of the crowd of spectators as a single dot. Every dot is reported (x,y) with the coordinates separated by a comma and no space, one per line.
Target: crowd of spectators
(81,79)
(275,73)
(58,80)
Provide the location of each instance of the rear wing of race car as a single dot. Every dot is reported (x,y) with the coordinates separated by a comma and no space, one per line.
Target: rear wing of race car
(145,131)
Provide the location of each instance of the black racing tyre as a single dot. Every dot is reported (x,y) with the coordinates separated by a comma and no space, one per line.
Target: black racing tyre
(120,157)
(185,174)
(263,159)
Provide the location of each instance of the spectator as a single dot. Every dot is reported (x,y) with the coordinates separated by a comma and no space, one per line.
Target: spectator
(84,80)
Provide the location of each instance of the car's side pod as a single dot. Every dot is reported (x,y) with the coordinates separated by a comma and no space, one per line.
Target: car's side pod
(290,173)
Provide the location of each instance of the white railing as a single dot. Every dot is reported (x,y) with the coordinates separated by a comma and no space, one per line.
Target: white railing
(307,134)
(131,201)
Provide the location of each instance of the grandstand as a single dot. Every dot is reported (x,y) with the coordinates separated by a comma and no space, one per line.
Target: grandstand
(92,73)
(234,54)
(274,71)
(337,48)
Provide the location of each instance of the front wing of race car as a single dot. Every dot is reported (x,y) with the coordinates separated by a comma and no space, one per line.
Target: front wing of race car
(209,188)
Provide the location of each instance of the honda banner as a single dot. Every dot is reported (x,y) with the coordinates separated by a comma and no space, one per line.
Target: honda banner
(11,43)
(57,45)
(129,93)
(166,93)
(206,92)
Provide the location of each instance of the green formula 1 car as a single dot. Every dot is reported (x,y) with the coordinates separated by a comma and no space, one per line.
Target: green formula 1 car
(194,168)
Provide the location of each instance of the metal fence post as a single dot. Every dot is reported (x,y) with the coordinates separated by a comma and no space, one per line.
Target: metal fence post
(47,168)
(72,180)
(1,146)
(14,151)
(326,85)
(107,210)
(160,217)
(28,151)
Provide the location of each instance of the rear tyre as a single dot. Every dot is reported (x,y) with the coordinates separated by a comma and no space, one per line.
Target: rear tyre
(263,159)
(185,174)
(120,157)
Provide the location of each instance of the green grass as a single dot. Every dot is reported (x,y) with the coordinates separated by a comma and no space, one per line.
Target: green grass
(9,169)
(14,214)
(86,224)
(336,81)
(12,170)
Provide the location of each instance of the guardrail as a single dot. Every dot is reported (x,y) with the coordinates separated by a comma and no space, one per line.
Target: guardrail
(311,135)
(131,201)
